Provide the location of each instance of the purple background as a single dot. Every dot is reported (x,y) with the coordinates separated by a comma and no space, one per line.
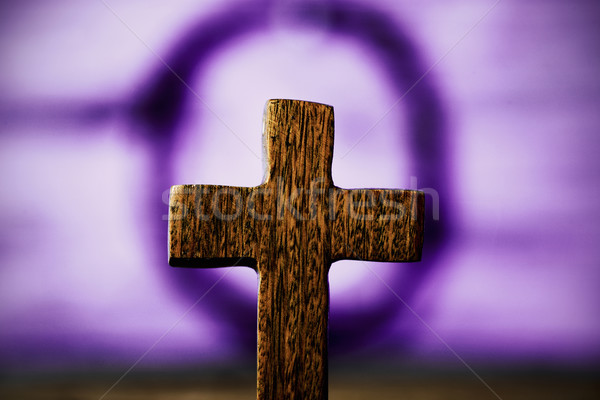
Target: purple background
(490,108)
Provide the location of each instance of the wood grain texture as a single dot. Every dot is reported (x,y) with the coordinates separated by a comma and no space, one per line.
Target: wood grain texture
(290,229)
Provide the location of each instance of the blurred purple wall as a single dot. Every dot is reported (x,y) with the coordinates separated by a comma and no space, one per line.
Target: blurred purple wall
(491,108)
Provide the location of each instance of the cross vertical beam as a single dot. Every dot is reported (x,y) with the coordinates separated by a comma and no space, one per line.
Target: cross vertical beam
(290,229)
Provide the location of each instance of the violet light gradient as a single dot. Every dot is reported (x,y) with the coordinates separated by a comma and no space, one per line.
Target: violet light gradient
(492,110)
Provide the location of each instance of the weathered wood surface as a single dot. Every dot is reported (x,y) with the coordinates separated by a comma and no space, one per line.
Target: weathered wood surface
(290,229)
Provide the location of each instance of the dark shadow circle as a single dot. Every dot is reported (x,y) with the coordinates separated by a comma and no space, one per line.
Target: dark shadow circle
(160,108)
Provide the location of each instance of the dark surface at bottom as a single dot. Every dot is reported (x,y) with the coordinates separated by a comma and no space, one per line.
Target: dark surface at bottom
(505,386)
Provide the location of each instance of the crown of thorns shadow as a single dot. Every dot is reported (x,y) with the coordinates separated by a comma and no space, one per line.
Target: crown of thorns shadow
(159,108)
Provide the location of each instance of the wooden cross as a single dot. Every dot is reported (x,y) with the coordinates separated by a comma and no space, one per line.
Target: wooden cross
(290,229)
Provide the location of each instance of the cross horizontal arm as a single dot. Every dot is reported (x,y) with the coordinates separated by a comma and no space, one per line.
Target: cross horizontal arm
(213,226)
(377,225)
